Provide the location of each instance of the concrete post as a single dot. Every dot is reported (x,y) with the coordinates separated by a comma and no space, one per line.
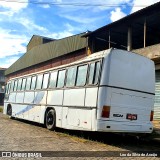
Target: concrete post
(145,27)
(109,40)
(129,41)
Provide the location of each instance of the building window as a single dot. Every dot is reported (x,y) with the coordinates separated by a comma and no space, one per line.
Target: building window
(45,80)
(61,78)
(53,79)
(71,76)
(81,75)
(39,81)
(33,83)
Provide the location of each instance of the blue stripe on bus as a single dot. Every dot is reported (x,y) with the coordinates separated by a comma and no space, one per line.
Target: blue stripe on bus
(36,100)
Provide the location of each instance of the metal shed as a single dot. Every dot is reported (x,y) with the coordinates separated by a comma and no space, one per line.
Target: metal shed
(39,52)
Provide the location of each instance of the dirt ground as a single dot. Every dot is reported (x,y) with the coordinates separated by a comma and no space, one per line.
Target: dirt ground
(16,135)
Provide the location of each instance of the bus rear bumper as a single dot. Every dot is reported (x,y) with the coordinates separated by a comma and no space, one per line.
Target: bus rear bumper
(130,127)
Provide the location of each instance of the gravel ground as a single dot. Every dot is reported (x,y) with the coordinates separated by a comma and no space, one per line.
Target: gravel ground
(18,135)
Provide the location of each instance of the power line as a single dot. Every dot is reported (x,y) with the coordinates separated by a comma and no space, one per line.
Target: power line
(72,4)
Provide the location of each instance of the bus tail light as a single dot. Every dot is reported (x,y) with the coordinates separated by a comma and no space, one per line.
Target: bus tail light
(151,115)
(106,111)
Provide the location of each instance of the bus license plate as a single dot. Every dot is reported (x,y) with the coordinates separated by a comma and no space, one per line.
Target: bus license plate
(131,116)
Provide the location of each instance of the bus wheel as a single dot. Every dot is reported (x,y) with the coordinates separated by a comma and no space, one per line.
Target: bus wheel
(51,119)
(9,110)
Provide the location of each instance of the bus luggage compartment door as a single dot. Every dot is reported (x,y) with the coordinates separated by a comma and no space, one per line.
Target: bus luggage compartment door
(131,106)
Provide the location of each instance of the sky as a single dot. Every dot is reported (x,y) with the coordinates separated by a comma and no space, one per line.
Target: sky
(21,19)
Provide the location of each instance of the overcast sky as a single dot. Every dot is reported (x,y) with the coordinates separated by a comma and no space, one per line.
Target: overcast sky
(20,19)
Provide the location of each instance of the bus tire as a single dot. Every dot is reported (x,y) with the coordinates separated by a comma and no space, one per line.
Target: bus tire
(51,119)
(9,110)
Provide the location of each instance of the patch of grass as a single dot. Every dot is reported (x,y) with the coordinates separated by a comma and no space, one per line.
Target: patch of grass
(1,109)
(74,135)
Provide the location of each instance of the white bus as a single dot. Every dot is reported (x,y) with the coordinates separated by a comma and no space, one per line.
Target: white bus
(108,91)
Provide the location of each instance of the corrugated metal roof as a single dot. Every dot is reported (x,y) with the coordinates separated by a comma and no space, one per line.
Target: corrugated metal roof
(37,40)
(128,20)
(48,51)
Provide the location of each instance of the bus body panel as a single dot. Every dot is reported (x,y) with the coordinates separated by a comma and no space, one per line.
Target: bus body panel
(55,97)
(129,71)
(79,118)
(20,97)
(64,117)
(91,97)
(40,97)
(58,110)
(35,113)
(125,103)
(29,97)
(12,97)
(124,127)
(5,107)
(74,97)
(42,114)
(18,110)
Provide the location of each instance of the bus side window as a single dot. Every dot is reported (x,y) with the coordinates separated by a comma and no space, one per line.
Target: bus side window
(33,83)
(61,78)
(71,76)
(53,79)
(19,84)
(12,86)
(91,73)
(94,73)
(9,88)
(6,88)
(45,80)
(28,84)
(23,84)
(97,71)
(81,75)
(39,81)
(15,85)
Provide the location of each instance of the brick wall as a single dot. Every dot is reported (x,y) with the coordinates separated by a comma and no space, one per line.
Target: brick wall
(68,58)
